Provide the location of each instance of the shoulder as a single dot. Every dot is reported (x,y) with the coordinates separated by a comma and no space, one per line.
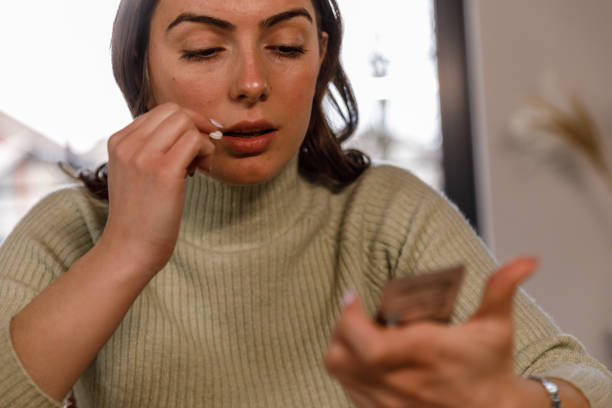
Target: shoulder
(54,234)
(391,175)
(72,202)
(392,206)
(66,212)
(387,205)
(392,191)
(411,204)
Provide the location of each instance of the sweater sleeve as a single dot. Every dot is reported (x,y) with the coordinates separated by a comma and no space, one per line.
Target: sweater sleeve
(439,236)
(51,237)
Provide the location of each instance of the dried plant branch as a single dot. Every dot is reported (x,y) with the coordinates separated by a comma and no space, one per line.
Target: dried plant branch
(576,127)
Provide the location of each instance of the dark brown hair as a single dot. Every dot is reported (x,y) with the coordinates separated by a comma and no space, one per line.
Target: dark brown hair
(321,156)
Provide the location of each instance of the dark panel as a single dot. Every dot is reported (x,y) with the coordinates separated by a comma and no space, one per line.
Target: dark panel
(458,160)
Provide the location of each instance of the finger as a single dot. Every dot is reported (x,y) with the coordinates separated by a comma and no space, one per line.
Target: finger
(340,362)
(203,124)
(397,388)
(188,148)
(361,399)
(413,346)
(410,385)
(130,140)
(357,331)
(386,348)
(139,120)
(117,137)
(170,129)
(152,119)
(165,135)
(379,395)
(499,292)
(337,358)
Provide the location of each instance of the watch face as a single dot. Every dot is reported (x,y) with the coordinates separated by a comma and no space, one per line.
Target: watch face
(551,387)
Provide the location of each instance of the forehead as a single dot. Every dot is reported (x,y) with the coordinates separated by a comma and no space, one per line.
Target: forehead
(233,11)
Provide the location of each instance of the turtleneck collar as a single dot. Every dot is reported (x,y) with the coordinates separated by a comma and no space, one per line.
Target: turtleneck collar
(222,216)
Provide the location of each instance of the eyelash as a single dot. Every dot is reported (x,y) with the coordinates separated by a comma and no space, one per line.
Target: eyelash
(200,55)
(286,51)
(282,51)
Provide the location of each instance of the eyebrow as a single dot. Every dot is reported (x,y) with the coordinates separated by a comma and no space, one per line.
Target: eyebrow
(226,25)
(286,15)
(190,17)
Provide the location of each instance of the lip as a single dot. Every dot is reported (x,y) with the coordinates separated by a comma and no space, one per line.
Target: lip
(249,125)
(243,146)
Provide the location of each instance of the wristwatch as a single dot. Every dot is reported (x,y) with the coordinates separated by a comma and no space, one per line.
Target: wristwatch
(551,388)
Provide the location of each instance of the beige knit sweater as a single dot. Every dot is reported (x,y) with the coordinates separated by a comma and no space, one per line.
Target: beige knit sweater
(242,313)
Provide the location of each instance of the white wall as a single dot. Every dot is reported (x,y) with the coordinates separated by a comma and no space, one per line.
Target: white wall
(513,45)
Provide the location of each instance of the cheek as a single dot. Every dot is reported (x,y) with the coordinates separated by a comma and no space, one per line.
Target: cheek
(196,91)
(199,92)
(302,88)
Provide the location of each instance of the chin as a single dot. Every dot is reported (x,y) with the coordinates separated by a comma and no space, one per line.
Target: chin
(246,172)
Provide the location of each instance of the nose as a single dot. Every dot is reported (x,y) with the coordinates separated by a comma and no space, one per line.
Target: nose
(250,84)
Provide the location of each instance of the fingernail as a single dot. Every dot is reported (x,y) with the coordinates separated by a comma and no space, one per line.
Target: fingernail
(217,124)
(348,298)
(217,135)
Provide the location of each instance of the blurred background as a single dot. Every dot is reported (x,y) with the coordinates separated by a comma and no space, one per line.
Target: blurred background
(502,106)
(558,208)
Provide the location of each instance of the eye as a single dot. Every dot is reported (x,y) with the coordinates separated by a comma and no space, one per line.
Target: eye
(200,55)
(287,51)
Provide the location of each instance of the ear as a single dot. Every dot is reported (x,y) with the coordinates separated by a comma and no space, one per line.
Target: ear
(323,38)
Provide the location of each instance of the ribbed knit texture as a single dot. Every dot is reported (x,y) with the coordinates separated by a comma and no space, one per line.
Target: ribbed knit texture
(242,314)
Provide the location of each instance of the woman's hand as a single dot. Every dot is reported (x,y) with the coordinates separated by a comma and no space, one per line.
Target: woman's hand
(433,365)
(149,161)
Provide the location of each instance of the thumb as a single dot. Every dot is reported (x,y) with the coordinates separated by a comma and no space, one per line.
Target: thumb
(354,328)
(501,286)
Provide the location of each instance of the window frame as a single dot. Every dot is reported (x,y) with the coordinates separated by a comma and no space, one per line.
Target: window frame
(455,114)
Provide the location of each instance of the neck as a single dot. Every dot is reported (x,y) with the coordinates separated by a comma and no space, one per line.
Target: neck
(219,215)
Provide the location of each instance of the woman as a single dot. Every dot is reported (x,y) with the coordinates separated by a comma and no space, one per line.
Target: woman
(225,288)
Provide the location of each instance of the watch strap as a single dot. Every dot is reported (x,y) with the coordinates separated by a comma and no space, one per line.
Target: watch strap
(551,388)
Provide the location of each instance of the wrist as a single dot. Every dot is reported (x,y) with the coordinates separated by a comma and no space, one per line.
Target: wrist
(541,392)
(125,262)
(528,393)
(551,389)
(141,249)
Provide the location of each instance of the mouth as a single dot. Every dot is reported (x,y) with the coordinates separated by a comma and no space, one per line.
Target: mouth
(246,134)
(249,129)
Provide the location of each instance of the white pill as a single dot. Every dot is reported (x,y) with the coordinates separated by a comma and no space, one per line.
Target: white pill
(217,135)
(217,124)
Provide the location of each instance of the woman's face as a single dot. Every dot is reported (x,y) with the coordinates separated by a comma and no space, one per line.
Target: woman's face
(250,65)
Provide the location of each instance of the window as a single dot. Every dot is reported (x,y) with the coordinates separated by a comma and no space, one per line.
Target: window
(407,63)
(389,53)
